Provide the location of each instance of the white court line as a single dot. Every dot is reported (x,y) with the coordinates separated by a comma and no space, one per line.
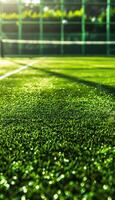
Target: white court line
(16,71)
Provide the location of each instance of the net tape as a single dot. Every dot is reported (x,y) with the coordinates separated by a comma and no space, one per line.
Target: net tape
(57,42)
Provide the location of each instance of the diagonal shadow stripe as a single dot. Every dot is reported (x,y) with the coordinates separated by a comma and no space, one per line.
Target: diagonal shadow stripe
(106,88)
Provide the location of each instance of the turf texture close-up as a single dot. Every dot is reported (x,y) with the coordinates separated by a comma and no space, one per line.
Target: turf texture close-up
(57,136)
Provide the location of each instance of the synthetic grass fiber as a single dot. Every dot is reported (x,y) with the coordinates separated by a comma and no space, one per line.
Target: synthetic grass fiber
(57,136)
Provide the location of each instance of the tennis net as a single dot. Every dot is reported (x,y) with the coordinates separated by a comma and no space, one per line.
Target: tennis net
(37,47)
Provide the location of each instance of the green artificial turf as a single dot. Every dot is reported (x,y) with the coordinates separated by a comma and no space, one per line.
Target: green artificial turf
(57,129)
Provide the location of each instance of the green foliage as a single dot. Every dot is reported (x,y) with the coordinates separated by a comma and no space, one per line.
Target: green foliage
(102,16)
(51,13)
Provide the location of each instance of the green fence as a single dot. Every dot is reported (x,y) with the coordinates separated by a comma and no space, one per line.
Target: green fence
(60,20)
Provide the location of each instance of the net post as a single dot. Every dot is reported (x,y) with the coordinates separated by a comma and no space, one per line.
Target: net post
(20,25)
(83,27)
(41,25)
(1,49)
(1,45)
(108,16)
(62,27)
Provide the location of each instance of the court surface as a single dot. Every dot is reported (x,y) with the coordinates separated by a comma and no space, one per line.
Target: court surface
(57,128)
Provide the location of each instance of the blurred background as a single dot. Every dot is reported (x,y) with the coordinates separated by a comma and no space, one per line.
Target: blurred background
(58,20)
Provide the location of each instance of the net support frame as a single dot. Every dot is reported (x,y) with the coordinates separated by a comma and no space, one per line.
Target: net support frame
(1,49)
(20,8)
(108,20)
(62,27)
(83,26)
(41,33)
(0,22)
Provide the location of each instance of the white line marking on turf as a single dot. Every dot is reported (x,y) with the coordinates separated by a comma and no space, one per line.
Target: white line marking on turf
(16,71)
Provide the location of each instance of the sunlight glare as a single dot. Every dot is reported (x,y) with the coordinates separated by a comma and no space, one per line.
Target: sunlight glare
(25,1)
(32,1)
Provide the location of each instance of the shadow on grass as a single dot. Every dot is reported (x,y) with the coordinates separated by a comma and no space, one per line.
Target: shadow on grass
(103,87)
(72,68)
(82,68)
(106,88)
